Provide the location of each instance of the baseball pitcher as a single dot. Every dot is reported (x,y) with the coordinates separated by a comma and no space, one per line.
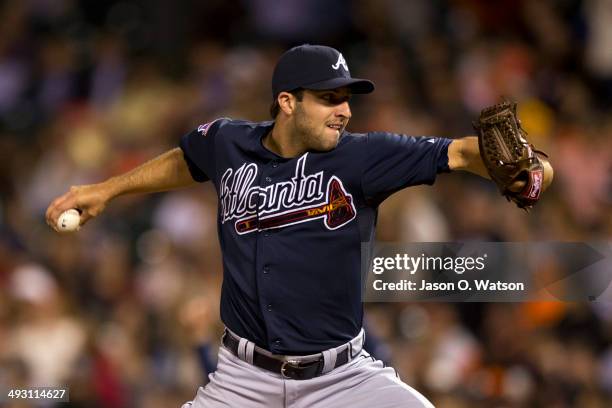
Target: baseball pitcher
(298,195)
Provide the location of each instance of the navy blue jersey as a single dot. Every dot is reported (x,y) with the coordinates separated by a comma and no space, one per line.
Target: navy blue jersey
(291,230)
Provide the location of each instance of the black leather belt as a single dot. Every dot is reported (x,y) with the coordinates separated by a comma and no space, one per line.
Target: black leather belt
(291,369)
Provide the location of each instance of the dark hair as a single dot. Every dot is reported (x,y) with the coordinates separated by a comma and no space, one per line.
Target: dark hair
(275,108)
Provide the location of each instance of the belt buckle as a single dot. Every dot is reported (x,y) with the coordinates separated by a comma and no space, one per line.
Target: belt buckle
(292,363)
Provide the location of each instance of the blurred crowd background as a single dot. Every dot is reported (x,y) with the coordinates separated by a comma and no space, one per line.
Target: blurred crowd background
(89,89)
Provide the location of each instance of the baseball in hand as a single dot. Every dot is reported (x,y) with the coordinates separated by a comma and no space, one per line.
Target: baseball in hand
(69,221)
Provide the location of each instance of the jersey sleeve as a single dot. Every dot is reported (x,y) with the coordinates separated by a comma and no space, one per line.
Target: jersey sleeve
(199,150)
(394,161)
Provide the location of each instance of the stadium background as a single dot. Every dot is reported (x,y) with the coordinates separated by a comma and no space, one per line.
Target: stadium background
(89,89)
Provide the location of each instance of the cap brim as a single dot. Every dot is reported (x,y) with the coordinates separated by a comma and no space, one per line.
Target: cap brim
(357,85)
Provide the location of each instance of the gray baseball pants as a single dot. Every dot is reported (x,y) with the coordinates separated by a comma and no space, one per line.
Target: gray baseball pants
(362,382)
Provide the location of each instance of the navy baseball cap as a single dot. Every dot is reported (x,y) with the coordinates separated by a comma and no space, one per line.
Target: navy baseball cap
(315,67)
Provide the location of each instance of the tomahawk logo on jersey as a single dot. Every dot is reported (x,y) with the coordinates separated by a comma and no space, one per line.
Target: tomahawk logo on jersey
(297,200)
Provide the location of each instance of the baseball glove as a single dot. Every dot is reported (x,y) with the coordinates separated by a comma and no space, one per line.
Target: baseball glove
(508,156)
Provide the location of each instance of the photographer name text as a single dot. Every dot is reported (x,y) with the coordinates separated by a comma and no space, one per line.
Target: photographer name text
(463,284)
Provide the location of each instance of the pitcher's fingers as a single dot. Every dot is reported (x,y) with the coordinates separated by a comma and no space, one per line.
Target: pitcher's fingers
(55,210)
(58,206)
(49,215)
(85,217)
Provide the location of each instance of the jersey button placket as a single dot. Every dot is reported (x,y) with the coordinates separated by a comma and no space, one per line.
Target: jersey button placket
(268,180)
(266,290)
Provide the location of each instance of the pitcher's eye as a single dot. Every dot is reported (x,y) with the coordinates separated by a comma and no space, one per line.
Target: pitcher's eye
(335,99)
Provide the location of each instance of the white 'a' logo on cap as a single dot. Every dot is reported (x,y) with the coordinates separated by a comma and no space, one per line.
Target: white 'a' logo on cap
(340,62)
